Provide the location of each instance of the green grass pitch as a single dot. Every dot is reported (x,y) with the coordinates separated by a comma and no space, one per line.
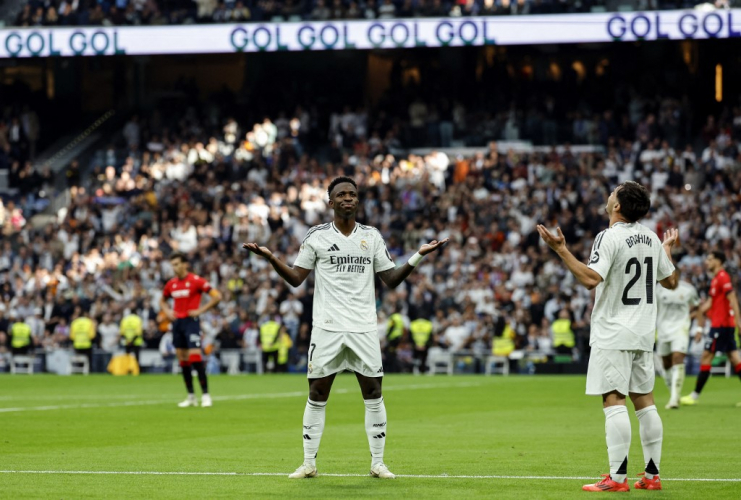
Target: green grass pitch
(439,427)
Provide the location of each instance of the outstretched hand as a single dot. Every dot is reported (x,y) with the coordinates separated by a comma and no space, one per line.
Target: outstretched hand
(258,250)
(432,246)
(671,237)
(556,242)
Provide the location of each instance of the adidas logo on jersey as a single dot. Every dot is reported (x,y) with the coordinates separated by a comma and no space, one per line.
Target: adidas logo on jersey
(334,248)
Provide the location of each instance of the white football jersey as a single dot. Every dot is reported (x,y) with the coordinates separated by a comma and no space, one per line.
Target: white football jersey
(674,311)
(345,269)
(631,260)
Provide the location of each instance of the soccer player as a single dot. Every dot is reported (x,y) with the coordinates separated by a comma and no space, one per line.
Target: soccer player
(346,256)
(186,290)
(722,308)
(675,309)
(625,261)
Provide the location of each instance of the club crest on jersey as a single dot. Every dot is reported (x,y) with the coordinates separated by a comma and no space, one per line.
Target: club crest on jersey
(363,245)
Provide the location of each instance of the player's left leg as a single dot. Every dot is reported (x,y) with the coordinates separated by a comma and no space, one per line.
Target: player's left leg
(195,357)
(652,436)
(375,423)
(651,429)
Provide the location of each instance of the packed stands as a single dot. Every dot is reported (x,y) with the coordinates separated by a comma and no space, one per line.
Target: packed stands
(203,182)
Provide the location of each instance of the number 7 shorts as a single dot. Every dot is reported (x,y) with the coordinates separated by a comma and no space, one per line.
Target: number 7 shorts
(334,352)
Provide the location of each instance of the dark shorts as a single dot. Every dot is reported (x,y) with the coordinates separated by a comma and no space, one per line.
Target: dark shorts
(186,333)
(721,340)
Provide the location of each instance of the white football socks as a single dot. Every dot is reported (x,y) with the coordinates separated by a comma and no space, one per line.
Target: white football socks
(375,428)
(313,428)
(652,435)
(617,433)
(677,379)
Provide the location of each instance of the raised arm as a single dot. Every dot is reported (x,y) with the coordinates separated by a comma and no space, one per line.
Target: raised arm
(583,274)
(294,276)
(394,277)
(670,239)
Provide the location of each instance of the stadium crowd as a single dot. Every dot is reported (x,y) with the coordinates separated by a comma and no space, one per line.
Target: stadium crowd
(203,184)
(162,12)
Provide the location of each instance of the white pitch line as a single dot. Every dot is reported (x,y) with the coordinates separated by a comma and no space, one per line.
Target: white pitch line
(283,474)
(224,398)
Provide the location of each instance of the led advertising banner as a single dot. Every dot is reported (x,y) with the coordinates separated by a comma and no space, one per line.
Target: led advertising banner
(376,34)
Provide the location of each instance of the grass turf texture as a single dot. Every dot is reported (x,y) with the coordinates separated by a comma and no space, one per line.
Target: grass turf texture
(515,426)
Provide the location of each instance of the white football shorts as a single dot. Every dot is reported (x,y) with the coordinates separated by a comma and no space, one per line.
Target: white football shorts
(334,352)
(622,371)
(677,343)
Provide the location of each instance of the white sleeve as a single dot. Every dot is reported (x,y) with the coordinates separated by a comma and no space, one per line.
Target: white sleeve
(306,256)
(602,254)
(694,297)
(382,260)
(665,267)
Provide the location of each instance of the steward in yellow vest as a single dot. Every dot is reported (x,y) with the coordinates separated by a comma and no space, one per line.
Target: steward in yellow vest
(421,330)
(563,335)
(270,343)
(131,330)
(284,348)
(82,333)
(394,333)
(504,343)
(21,340)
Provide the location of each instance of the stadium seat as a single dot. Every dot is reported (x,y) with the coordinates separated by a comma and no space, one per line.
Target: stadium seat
(79,364)
(494,361)
(439,361)
(151,358)
(21,364)
(253,357)
(721,366)
(230,359)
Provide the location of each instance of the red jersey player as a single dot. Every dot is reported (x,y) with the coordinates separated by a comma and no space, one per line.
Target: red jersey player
(722,309)
(186,290)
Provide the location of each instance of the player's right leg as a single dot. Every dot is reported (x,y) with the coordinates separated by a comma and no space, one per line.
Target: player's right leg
(313,424)
(185,368)
(608,375)
(180,342)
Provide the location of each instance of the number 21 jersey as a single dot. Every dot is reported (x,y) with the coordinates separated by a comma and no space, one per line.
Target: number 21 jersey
(630,259)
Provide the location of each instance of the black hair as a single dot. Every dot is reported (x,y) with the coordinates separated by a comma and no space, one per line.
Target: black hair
(719,255)
(339,180)
(179,255)
(634,200)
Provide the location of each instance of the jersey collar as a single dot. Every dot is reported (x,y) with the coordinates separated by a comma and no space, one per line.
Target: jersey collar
(340,232)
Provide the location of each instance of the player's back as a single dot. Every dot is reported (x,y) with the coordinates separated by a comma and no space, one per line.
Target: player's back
(630,259)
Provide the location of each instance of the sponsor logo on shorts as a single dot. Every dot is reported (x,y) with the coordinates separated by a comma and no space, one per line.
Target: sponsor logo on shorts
(380,370)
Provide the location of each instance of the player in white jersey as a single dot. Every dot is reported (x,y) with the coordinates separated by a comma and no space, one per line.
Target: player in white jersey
(675,310)
(626,260)
(346,256)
